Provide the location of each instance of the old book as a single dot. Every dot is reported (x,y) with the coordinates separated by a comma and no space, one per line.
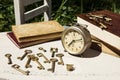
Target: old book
(12,37)
(37,31)
(111,35)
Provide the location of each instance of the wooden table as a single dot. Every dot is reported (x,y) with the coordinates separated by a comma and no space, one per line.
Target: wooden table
(94,66)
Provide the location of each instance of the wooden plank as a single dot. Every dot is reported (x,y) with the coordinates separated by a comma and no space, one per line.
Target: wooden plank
(28,2)
(19,12)
(47,14)
(35,12)
(21,16)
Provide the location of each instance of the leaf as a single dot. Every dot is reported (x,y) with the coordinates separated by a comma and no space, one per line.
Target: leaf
(1,17)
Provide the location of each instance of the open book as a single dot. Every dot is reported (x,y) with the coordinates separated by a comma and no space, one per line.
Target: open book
(110,35)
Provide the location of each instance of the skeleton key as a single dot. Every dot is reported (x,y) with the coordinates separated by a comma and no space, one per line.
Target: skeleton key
(25,54)
(36,60)
(42,55)
(17,67)
(53,60)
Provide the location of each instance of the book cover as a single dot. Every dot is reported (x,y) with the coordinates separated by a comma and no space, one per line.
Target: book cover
(37,31)
(110,35)
(12,37)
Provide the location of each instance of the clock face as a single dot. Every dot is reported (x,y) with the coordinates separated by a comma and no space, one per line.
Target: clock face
(73,41)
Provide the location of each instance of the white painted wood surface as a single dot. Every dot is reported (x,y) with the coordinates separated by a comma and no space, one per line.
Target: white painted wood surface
(21,16)
(47,14)
(19,12)
(101,67)
(32,13)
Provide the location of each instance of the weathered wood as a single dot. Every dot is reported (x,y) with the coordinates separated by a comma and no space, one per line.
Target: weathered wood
(19,12)
(47,14)
(35,12)
(21,16)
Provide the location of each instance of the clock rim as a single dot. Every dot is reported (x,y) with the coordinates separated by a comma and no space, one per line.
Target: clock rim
(79,30)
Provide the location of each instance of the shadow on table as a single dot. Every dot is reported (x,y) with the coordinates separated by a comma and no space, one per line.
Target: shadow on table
(94,51)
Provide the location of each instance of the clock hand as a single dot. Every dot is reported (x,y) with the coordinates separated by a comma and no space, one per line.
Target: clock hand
(71,42)
(78,39)
(74,41)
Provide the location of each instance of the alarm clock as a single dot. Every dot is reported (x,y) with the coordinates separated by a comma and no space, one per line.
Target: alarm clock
(76,39)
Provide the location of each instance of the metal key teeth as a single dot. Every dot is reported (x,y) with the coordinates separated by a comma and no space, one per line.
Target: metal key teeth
(46,61)
(17,67)
(39,67)
(60,55)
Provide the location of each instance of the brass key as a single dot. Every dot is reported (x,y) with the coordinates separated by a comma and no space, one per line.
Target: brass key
(28,62)
(40,48)
(9,58)
(25,54)
(61,60)
(42,55)
(36,60)
(53,51)
(53,60)
(17,67)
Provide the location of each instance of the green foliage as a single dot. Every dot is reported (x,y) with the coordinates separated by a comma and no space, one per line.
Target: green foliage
(65,14)
(6,14)
(64,11)
(67,10)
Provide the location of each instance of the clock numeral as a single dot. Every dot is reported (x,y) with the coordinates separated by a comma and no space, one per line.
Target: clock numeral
(72,45)
(72,48)
(76,49)
(66,42)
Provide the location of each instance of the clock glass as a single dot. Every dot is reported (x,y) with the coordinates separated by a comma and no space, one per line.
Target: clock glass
(73,41)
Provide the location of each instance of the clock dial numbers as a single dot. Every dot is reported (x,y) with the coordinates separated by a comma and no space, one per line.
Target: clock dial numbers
(76,39)
(73,41)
